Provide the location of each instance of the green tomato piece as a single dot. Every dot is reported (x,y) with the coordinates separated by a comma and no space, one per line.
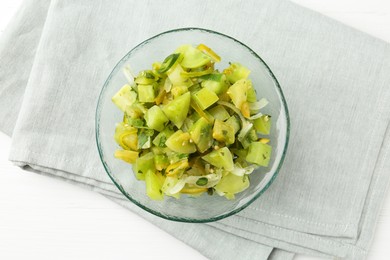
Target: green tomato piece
(263,124)
(162,137)
(180,142)
(179,90)
(205,98)
(175,75)
(231,184)
(153,186)
(136,110)
(177,109)
(174,157)
(236,72)
(143,164)
(201,134)
(161,161)
(223,132)
(146,93)
(234,122)
(219,112)
(221,158)
(217,83)
(145,77)
(192,57)
(251,95)
(126,136)
(200,111)
(259,153)
(155,118)
(124,98)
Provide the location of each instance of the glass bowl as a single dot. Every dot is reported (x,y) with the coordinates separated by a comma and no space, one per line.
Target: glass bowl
(204,208)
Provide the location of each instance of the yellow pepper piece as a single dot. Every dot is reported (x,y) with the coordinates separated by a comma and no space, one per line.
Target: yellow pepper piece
(245,109)
(177,168)
(209,52)
(126,155)
(264,140)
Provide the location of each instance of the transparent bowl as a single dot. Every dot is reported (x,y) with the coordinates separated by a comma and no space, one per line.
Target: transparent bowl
(188,209)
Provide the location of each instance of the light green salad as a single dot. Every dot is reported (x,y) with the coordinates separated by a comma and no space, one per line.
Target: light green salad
(189,128)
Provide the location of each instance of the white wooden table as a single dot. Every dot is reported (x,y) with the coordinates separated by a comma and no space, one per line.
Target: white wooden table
(44,218)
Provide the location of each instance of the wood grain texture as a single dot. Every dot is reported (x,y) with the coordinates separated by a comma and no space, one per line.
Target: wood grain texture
(44,218)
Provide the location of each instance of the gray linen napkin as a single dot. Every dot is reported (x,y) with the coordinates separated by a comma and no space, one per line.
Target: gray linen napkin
(335,79)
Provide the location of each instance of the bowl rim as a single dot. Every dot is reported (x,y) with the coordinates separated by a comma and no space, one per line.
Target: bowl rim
(185,219)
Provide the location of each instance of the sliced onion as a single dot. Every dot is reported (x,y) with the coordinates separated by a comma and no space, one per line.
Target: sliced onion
(178,187)
(246,126)
(259,104)
(212,179)
(244,131)
(239,171)
(258,115)
(127,71)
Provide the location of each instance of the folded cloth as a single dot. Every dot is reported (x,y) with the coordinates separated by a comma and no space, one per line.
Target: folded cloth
(328,194)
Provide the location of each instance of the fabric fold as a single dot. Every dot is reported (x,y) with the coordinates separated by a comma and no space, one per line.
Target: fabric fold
(18,45)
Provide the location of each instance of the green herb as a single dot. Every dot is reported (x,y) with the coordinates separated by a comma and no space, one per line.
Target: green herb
(163,139)
(202,181)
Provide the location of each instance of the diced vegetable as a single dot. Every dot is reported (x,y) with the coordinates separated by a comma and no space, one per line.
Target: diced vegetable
(174,157)
(180,142)
(127,156)
(155,118)
(177,168)
(193,58)
(162,137)
(236,72)
(223,132)
(124,98)
(178,90)
(201,112)
(231,184)
(153,186)
(175,75)
(251,95)
(221,158)
(234,122)
(201,134)
(263,124)
(205,98)
(146,93)
(143,164)
(189,129)
(126,136)
(161,161)
(177,109)
(145,77)
(237,92)
(259,153)
(144,138)
(220,113)
(216,83)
